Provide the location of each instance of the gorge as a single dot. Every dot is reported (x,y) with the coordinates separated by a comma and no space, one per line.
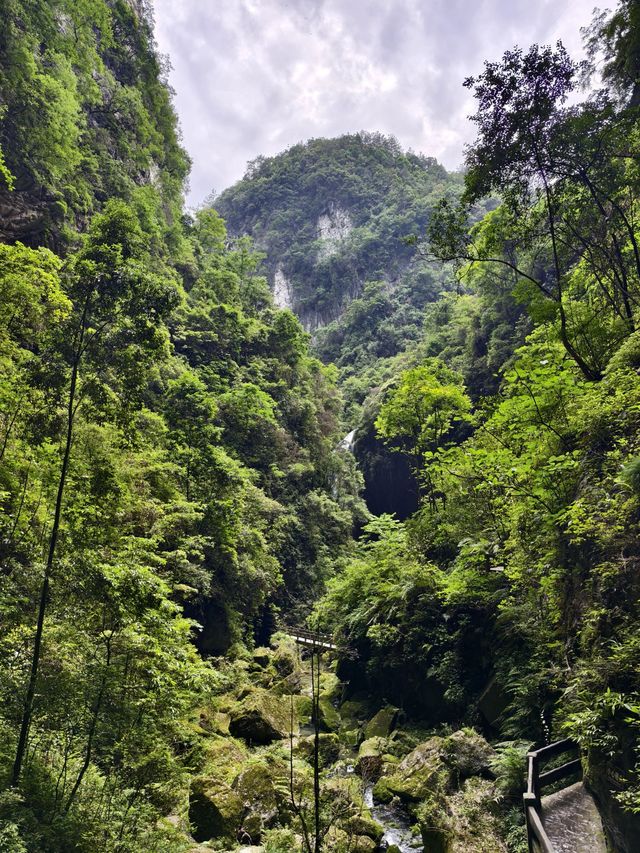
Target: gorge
(319,505)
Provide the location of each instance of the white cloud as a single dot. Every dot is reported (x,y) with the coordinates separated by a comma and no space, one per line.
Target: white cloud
(256,76)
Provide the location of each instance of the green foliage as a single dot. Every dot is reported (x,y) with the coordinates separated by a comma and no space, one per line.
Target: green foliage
(150,390)
(421,411)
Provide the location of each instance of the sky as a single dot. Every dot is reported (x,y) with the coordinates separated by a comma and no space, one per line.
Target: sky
(254,77)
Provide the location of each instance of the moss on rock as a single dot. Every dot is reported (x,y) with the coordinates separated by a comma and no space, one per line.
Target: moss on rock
(329,719)
(467,753)
(383,723)
(418,775)
(329,748)
(215,810)
(369,763)
(262,718)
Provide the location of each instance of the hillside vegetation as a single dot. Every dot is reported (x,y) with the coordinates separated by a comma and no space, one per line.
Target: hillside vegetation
(166,440)
(174,484)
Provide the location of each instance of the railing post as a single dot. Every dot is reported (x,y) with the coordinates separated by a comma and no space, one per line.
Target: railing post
(529,801)
(534,770)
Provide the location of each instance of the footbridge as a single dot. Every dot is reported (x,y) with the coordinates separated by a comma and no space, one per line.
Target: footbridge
(311,639)
(567,820)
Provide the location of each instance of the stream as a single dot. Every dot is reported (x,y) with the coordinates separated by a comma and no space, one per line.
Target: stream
(396,823)
(394,819)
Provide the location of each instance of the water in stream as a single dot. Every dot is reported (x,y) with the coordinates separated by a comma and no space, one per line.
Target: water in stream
(396,823)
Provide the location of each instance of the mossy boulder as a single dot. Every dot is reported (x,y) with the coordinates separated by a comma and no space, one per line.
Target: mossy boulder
(262,718)
(223,756)
(215,809)
(338,839)
(262,656)
(303,708)
(361,825)
(464,821)
(362,844)
(418,775)
(254,785)
(353,713)
(328,748)
(369,763)
(383,723)
(330,686)
(328,717)
(437,765)
(350,738)
(286,657)
(468,754)
(208,721)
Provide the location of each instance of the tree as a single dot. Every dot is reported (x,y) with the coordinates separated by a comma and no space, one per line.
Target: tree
(421,411)
(562,180)
(113,330)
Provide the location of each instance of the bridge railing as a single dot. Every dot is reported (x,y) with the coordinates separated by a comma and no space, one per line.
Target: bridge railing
(537,837)
(313,637)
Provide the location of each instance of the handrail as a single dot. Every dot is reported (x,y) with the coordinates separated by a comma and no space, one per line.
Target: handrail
(314,636)
(537,837)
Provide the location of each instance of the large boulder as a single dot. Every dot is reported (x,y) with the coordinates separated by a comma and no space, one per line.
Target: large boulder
(215,810)
(328,748)
(328,717)
(438,764)
(369,763)
(361,824)
(418,775)
(468,754)
(353,713)
(262,656)
(262,718)
(464,821)
(254,786)
(383,723)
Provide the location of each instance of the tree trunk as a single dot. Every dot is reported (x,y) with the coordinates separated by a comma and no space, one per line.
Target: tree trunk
(53,542)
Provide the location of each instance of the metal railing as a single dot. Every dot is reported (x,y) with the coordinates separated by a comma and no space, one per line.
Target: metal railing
(539,841)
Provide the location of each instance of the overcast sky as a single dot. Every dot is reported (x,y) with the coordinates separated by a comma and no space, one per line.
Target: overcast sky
(256,76)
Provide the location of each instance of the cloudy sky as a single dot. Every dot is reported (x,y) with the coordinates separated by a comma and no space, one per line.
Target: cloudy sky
(256,76)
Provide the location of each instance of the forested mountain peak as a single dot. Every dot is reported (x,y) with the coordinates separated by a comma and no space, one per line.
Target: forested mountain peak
(330,216)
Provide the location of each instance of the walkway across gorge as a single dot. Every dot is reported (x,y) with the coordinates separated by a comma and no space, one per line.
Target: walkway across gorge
(311,639)
(566,821)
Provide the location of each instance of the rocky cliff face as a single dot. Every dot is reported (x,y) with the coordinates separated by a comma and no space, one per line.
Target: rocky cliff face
(331,216)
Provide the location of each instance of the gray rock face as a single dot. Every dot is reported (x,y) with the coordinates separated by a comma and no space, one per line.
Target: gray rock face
(332,228)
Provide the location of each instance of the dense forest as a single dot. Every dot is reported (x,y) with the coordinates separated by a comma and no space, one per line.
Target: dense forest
(177,493)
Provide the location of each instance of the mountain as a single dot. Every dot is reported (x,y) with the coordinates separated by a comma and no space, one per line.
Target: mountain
(331,217)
